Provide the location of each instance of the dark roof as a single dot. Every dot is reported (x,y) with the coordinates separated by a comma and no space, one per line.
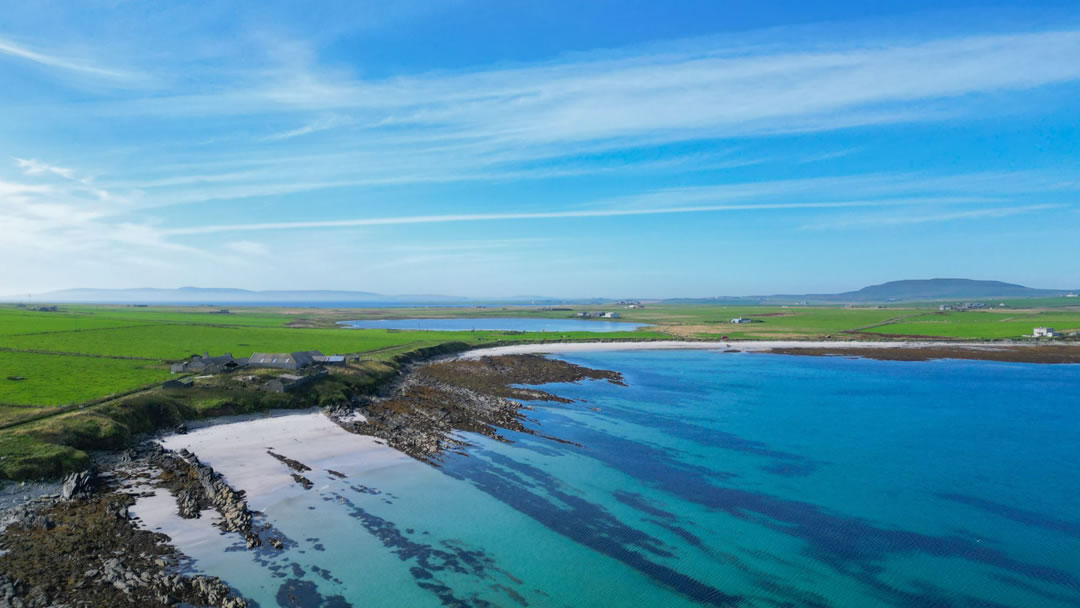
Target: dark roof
(299,358)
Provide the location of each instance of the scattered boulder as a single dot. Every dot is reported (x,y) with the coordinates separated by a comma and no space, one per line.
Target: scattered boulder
(31,519)
(78,485)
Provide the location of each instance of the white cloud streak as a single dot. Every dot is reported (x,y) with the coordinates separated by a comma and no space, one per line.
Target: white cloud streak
(559,119)
(12,49)
(586,114)
(35,167)
(930,218)
(543,215)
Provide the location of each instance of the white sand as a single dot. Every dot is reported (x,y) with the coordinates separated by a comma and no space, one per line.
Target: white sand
(741,346)
(239,452)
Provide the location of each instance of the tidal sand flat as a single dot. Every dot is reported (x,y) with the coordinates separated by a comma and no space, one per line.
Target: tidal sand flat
(691,478)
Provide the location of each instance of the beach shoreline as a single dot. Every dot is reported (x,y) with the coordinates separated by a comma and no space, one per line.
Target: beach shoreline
(898,350)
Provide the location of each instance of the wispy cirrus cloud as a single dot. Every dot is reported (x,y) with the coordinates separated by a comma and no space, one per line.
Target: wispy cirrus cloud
(240,137)
(718,85)
(900,219)
(569,116)
(32,166)
(542,215)
(11,49)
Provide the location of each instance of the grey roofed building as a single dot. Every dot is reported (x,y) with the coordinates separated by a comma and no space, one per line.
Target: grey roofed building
(330,359)
(217,364)
(181,383)
(206,363)
(297,360)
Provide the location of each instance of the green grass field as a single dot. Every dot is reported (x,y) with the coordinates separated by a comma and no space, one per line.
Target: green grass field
(983,324)
(36,345)
(131,315)
(15,322)
(51,380)
(167,341)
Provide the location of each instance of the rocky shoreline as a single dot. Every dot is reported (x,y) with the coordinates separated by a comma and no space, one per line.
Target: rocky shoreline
(82,548)
(1044,354)
(419,414)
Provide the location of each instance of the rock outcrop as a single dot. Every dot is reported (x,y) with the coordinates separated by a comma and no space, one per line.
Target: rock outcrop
(198,487)
(88,553)
(78,485)
(482,396)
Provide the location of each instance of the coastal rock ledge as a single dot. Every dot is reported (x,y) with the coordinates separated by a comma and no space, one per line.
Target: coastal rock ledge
(81,549)
(420,412)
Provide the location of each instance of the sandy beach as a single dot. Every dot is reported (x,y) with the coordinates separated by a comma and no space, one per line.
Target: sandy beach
(741,346)
(240,452)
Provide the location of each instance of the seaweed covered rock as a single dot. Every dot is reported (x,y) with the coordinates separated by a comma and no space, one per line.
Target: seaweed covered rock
(483,395)
(93,555)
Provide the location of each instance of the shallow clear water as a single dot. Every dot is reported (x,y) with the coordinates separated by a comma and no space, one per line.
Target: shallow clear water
(714,479)
(495,324)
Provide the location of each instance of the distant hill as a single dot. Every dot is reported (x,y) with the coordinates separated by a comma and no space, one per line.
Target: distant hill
(944,289)
(899,291)
(224,296)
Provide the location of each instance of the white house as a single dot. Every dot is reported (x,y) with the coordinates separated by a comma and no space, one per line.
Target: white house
(741,320)
(1072,295)
(611,315)
(1044,332)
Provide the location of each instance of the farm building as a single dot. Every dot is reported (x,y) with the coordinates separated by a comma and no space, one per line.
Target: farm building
(297,360)
(1044,332)
(330,359)
(288,382)
(206,364)
(181,383)
(741,320)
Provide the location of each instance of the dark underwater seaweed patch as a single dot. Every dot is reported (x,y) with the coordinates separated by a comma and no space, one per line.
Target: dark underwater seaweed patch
(787,463)
(639,502)
(688,537)
(295,593)
(454,556)
(836,539)
(584,522)
(1023,516)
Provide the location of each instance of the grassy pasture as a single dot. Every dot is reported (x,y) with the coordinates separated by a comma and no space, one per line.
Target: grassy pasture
(165,341)
(246,317)
(995,324)
(52,380)
(14,322)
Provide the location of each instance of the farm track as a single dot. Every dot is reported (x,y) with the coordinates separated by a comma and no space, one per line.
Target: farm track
(150,324)
(886,322)
(84,406)
(79,331)
(67,354)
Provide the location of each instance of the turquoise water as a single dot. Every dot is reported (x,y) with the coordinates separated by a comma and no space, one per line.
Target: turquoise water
(496,324)
(715,479)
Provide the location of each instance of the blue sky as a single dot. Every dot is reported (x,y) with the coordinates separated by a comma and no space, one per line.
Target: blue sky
(503,148)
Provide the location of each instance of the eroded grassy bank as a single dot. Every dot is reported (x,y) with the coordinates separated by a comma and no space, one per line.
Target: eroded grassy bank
(60,444)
